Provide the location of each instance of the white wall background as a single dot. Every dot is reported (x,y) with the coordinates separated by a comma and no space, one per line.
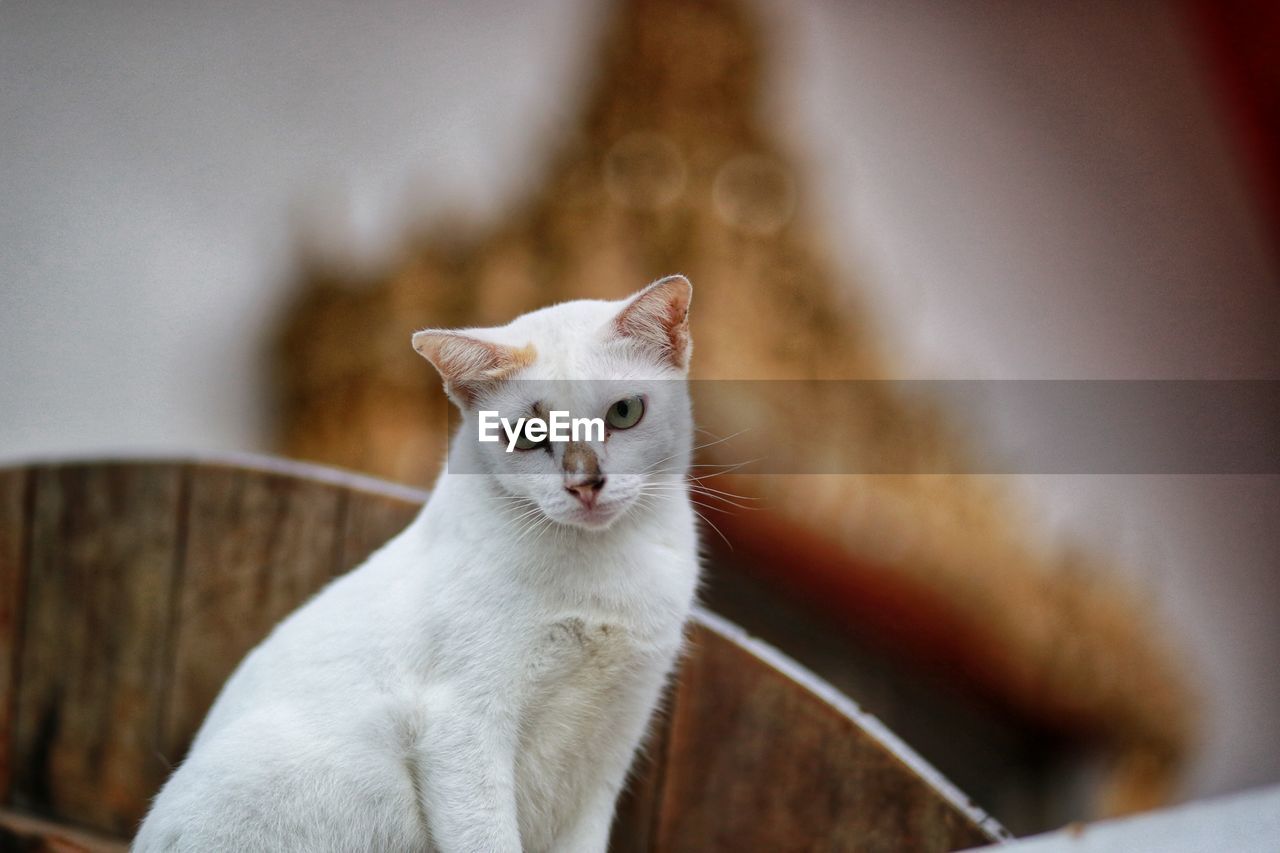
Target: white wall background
(1033,190)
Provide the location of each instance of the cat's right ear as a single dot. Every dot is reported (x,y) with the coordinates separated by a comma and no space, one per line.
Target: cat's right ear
(467,364)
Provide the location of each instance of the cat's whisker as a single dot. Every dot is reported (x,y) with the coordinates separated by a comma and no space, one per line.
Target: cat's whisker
(542,529)
(520,534)
(711,490)
(698,447)
(526,529)
(653,465)
(716,529)
(713,508)
(720,493)
(528,514)
(726,501)
(694,449)
(728,468)
(734,504)
(703,491)
(723,464)
(519,511)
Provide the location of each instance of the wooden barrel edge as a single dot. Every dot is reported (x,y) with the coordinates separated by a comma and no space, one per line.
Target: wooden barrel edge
(258,462)
(829,698)
(20,831)
(841,704)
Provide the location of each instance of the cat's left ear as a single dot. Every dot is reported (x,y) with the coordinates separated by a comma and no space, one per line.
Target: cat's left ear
(657,318)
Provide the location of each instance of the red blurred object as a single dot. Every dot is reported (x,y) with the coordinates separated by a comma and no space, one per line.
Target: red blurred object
(1240,40)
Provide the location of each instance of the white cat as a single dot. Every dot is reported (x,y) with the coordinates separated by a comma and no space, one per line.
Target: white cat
(481,682)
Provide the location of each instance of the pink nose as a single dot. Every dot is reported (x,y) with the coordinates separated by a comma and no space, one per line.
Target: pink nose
(586,491)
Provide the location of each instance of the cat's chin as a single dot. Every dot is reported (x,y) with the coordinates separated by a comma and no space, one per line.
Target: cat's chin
(593,518)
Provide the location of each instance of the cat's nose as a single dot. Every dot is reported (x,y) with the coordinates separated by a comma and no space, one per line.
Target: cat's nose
(586,490)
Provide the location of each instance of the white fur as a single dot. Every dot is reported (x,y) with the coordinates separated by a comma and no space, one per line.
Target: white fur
(481,682)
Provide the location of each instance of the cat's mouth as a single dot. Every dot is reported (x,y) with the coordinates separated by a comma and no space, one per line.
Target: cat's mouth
(595,517)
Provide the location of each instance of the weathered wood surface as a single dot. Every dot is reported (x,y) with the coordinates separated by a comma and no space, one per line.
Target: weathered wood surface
(135,588)
(19,832)
(758,758)
(95,624)
(634,823)
(256,546)
(370,518)
(13,535)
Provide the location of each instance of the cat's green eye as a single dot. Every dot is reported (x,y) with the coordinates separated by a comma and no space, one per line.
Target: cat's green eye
(523,442)
(625,413)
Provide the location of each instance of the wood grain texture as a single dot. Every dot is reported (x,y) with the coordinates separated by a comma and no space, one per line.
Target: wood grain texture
(370,519)
(756,761)
(19,832)
(258,544)
(13,535)
(147,583)
(637,811)
(96,613)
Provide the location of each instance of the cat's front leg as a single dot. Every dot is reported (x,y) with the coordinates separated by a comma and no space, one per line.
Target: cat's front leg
(630,715)
(590,832)
(464,771)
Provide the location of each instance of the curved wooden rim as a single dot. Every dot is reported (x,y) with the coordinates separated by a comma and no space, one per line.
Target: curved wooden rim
(847,708)
(829,696)
(232,459)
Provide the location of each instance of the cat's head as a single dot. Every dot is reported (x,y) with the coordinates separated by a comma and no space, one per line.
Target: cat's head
(621,362)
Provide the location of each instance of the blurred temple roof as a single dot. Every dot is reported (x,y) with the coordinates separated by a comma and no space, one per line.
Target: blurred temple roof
(670,169)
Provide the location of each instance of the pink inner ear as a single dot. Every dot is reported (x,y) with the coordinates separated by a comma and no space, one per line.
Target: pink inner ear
(466,363)
(658,318)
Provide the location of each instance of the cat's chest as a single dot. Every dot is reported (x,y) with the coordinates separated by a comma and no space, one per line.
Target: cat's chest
(580,653)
